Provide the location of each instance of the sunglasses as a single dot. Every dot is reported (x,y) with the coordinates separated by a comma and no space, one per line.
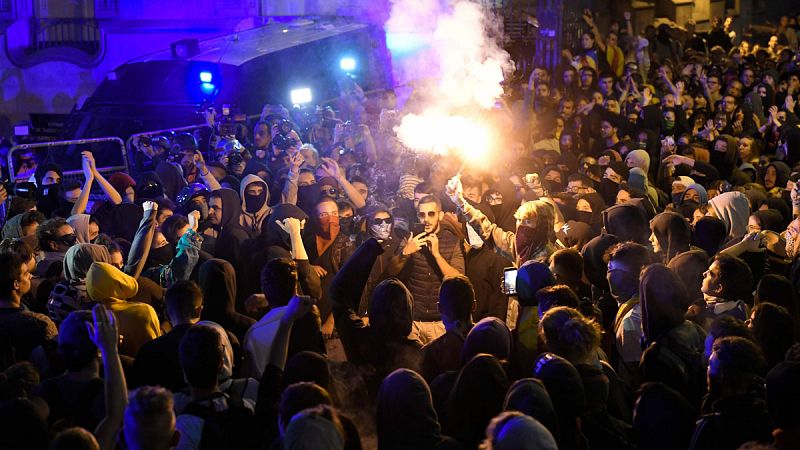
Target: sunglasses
(431,214)
(67,239)
(382,221)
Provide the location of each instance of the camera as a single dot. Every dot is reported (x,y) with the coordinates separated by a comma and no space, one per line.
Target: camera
(26,189)
(285,127)
(234,158)
(283,142)
(145,141)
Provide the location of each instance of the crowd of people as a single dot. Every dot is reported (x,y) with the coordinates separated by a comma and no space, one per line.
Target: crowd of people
(623,273)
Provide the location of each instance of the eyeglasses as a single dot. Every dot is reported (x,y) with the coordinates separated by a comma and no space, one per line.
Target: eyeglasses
(333,192)
(382,221)
(431,214)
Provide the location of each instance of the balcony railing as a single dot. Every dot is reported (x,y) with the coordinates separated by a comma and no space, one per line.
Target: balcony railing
(77,41)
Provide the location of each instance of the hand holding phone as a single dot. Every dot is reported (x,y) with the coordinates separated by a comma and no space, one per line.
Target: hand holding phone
(510,281)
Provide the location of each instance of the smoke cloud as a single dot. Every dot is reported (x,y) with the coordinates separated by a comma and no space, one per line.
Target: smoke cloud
(462,71)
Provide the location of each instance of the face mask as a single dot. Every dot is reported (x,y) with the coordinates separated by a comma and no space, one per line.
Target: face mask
(381,230)
(669,124)
(161,255)
(475,240)
(608,190)
(329,227)
(346,225)
(528,241)
(253,203)
(676,198)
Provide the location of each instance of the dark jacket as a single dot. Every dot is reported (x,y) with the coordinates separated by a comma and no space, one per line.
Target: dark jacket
(157,364)
(422,275)
(231,234)
(732,422)
(218,283)
(382,345)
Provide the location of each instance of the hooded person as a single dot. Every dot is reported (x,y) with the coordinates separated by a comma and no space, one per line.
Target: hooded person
(709,234)
(638,158)
(776,174)
(594,217)
(663,419)
(701,198)
(230,235)
(311,430)
(531,277)
(81,223)
(724,155)
(565,387)
(628,222)
(383,345)
(121,182)
(218,283)
(272,243)
(530,397)
(171,179)
(690,267)
(734,211)
(477,397)
(71,294)
(405,416)
(671,235)
(254,193)
(516,431)
(246,389)
(490,336)
(149,186)
(575,234)
(674,345)
(13,227)
(47,191)
(137,322)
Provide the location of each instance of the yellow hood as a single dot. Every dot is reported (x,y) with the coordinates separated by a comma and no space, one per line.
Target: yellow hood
(106,282)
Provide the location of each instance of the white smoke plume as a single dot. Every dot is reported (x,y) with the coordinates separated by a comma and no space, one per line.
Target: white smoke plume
(464,66)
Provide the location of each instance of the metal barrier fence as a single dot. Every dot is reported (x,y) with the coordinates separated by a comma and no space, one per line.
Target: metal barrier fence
(109,153)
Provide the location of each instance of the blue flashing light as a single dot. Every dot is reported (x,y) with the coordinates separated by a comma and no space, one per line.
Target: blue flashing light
(207,88)
(347,64)
(206,77)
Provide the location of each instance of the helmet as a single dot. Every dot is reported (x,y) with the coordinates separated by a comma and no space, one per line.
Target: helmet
(185,141)
(160,142)
(67,296)
(191,191)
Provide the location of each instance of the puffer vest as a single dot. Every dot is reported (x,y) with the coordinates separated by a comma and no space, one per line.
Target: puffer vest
(423,277)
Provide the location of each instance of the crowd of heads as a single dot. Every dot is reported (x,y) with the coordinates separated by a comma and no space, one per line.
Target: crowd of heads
(621,273)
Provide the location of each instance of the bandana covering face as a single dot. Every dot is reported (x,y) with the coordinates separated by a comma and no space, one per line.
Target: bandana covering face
(253,203)
(346,225)
(381,230)
(528,240)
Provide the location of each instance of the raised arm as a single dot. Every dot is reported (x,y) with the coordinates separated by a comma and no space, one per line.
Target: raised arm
(331,168)
(87,164)
(289,194)
(105,336)
(205,174)
(142,241)
(587,17)
(111,194)
(505,241)
(369,144)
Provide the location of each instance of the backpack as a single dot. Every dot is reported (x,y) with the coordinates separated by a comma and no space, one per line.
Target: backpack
(231,428)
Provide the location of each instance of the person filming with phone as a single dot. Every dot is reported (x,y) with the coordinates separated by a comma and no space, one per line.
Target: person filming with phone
(431,253)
